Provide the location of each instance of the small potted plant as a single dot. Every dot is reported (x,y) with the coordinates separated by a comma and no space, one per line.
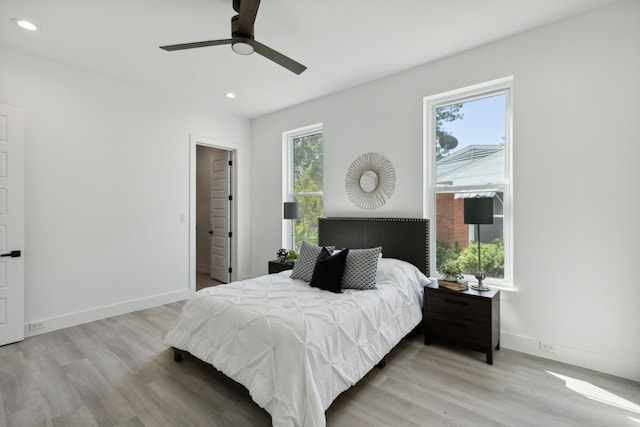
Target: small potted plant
(292,256)
(451,270)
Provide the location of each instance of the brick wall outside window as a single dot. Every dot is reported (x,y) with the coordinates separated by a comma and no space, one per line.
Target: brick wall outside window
(451,227)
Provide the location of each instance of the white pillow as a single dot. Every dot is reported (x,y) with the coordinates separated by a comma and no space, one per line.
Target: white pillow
(387,267)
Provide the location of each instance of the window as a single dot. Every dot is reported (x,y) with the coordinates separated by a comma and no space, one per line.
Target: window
(468,140)
(303,177)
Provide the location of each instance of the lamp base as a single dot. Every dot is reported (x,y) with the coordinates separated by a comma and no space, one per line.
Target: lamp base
(480,276)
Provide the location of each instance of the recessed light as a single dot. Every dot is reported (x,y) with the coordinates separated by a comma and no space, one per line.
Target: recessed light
(24,24)
(230,95)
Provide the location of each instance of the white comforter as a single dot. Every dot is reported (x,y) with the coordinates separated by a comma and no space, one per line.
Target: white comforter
(294,347)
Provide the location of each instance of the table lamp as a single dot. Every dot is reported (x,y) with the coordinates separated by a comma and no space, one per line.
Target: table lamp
(479,210)
(292,211)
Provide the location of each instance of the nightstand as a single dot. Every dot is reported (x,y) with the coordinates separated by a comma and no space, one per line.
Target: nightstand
(468,318)
(276,266)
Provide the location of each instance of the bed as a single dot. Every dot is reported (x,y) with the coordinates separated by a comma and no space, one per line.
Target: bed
(297,347)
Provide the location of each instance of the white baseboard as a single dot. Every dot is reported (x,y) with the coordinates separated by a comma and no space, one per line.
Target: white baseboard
(97,313)
(612,365)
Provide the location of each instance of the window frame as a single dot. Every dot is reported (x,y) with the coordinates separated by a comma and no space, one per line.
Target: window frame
(466,94)
(288,193)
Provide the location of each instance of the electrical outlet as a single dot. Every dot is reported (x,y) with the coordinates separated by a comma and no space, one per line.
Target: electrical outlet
(548,347)
(34,326)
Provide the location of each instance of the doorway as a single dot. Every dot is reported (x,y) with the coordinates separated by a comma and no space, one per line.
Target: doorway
(212,218)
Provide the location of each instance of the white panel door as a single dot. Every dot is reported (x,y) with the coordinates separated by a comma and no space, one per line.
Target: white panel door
(11,224)
(219,210)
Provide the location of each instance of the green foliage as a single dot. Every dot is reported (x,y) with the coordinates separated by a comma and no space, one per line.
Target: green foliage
(306,228)
(444,253)
(447,113)
(451,268)
(492,257)
(307,163)
(307,182)
(291,255)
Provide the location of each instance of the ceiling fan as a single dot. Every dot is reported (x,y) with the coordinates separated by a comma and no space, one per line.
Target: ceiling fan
(242,40)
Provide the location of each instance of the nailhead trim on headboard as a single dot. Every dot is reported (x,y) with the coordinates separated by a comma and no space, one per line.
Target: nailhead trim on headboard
(335,235)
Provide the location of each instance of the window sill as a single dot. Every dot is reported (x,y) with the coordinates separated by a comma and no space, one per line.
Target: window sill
(507,293)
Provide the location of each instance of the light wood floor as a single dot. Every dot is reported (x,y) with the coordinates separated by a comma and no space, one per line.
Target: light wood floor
(117,372)
(203,280)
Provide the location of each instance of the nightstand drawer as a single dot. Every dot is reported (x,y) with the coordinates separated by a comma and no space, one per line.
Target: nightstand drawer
(458,306)
(459,329)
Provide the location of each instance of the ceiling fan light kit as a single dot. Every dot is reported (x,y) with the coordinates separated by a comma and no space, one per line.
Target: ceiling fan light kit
(241,46)
(242,39)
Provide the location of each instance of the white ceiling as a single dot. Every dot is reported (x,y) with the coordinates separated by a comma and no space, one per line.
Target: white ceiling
(343,43)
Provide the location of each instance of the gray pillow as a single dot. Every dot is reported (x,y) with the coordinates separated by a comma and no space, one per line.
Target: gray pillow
(306,262)
(360,268)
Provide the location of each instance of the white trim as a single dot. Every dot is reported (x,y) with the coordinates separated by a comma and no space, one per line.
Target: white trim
(609,364)
(195,140)
(482,90)
(93,314)
(311,193)
(469,93)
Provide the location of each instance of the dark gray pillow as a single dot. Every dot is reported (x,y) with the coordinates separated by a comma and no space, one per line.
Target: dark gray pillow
(306,262)
(360,268)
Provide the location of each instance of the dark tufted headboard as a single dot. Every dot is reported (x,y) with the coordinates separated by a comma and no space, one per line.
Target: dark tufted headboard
(402,238)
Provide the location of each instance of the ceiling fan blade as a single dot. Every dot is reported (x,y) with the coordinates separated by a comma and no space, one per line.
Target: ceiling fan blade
(277,57)
(195,44)
(247,16)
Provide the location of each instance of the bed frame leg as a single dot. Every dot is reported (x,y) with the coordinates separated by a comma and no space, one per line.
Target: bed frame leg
(381,364)
(177,355)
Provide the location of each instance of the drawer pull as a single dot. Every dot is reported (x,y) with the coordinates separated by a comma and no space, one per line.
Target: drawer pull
(459,325)
(455,301)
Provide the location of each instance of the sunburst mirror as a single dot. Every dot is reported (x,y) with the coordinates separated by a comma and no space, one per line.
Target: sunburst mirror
(370,180)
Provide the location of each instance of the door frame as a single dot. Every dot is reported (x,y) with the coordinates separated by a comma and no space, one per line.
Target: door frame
(234,149)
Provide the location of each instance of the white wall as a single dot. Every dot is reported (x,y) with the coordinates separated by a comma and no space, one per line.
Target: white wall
(576,127)
(107,180)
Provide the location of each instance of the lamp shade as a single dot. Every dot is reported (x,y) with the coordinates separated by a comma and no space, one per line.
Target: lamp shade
(478,210)
(291,210)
